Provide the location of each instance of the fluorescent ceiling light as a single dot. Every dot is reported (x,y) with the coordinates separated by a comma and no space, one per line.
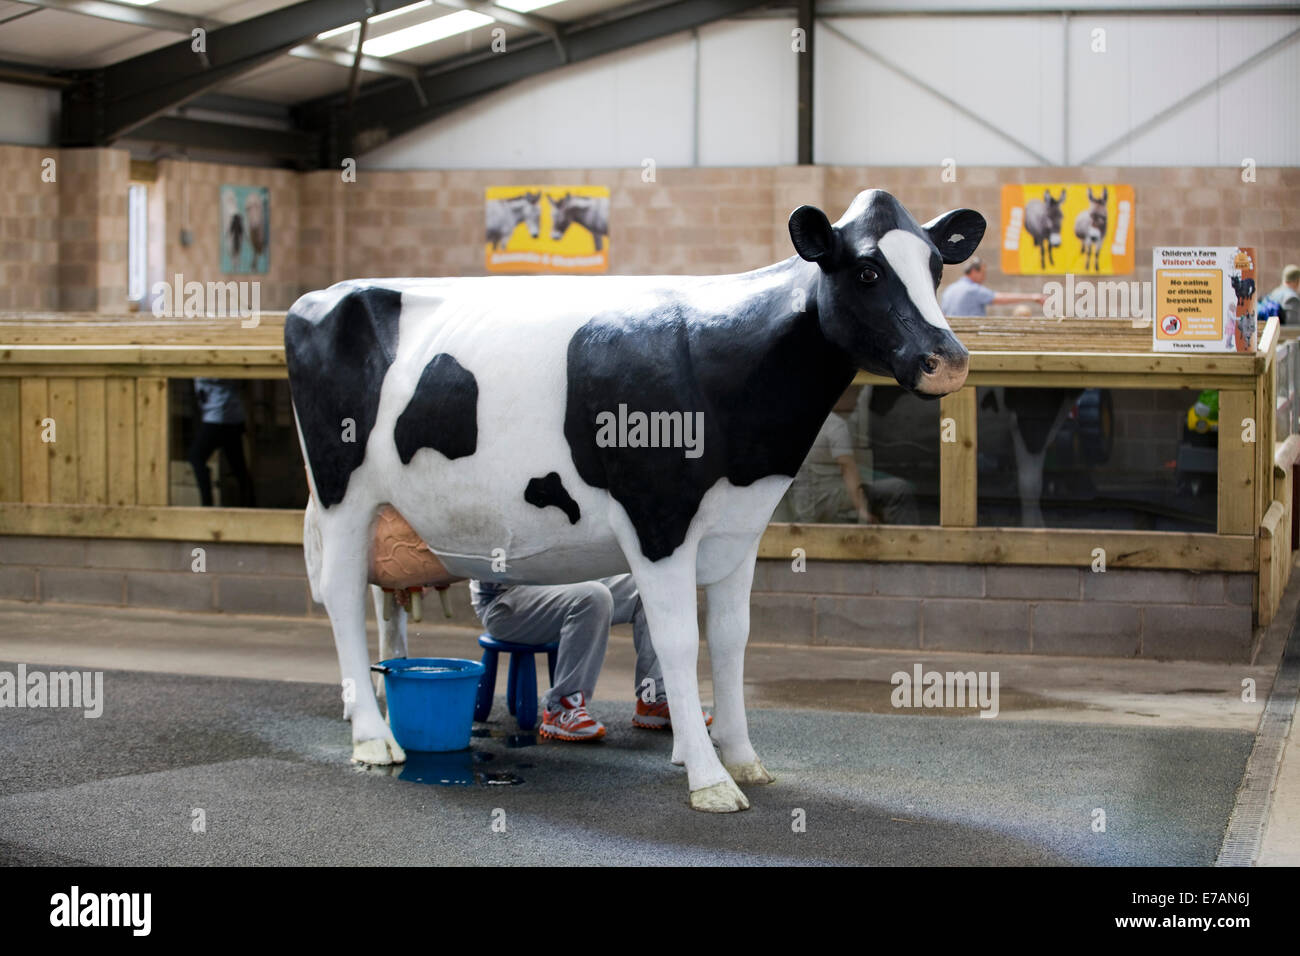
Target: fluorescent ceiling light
(139,3)
(337,31)
(525,6)
(429,31)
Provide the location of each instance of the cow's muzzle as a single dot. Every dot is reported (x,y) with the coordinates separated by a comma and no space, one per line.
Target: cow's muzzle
(943,371)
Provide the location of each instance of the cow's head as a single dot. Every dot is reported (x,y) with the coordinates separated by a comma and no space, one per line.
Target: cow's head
(876,294)
(561,214)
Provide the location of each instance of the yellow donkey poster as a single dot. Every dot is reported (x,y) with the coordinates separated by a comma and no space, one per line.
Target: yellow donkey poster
(547,229)
(1064,228)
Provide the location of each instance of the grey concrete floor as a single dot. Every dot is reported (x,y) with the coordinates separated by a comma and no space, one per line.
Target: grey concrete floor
(239,716)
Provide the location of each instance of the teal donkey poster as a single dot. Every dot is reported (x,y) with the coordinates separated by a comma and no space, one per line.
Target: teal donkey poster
(245,229)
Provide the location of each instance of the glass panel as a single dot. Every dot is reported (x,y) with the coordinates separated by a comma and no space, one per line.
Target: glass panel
(1287,354)
(880,439)
(137,249)
(1140,459)
(220,421)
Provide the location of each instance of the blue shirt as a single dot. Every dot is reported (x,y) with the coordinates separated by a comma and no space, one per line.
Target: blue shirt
(966,297)
(218,400)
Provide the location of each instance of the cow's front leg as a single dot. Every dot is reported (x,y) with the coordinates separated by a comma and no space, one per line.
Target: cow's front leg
(667,589)
(346,539)
(728,631)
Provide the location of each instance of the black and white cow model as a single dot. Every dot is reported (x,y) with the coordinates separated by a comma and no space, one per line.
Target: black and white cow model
(475,409)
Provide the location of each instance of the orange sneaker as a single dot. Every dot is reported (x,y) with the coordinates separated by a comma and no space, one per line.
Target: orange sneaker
(571,721)
(656,717)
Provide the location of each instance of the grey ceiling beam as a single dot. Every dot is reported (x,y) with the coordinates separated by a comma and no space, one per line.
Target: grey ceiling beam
(367,64)
(293,146)
(180,23)
(804,93)
(112,101)
(25,74)
(385,110)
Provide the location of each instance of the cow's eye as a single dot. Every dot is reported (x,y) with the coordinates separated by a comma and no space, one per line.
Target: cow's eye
(868,275)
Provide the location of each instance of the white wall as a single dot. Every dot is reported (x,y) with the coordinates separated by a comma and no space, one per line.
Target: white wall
(29,115)
(601,113)
(1152,63)
(1009,71)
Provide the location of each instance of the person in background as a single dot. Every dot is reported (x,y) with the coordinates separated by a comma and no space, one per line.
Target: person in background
(220,426)
(829,487)
(970,296)
(1287,296)
(579,616)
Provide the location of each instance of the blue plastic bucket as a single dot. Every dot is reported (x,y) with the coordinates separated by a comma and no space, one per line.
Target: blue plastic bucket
(431,701)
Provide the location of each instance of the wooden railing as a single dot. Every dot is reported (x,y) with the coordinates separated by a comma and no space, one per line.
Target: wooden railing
(103,382)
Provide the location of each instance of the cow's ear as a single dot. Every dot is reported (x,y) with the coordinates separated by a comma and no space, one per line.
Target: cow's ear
(956,234)
(814,238)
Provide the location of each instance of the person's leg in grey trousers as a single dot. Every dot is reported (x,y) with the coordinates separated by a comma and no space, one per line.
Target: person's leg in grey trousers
(578,615)
(627,607)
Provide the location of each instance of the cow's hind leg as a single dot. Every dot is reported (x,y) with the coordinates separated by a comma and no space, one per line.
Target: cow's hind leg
(667,589)
(728,632)
(346,539)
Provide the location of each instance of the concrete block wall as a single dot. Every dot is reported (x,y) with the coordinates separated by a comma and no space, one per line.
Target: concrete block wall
(92,223)
(704,220)
(1121,612)
(1175,205)
(63,244)
(724,219)
(29,231)
(193,202)
(943,607)
(239,578)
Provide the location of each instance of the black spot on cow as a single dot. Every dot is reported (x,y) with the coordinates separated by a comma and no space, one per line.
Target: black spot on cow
(544,492)
(442,413)
(764,378)
(337,362)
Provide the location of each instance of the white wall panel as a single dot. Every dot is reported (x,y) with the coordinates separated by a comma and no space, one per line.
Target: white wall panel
(1155,63)
(1007,70)
(749,101)
(613,111)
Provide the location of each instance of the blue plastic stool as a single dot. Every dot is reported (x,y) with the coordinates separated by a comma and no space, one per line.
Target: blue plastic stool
(521,682)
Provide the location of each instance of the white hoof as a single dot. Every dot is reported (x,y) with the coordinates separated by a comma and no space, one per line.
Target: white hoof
(378,752)
(678,759)
(722,797)
(752,772)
